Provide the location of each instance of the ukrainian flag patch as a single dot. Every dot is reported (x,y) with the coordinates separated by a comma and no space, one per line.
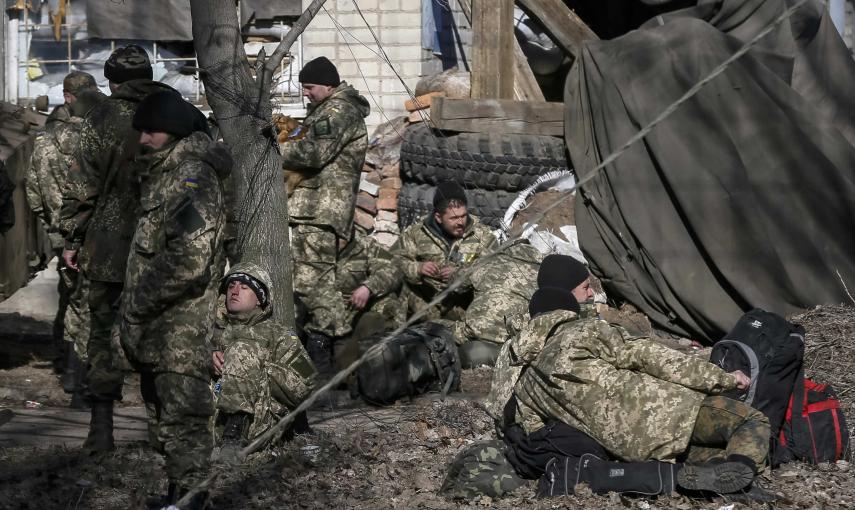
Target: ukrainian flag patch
(190,183)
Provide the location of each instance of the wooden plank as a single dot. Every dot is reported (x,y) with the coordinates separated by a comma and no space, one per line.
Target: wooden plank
(561,23)
(526,87)
(492,49)
(498,116)
(421,102)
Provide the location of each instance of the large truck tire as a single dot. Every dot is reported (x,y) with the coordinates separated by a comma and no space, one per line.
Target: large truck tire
(487,161)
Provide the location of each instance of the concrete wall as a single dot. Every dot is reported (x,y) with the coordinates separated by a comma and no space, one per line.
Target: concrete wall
(397,24)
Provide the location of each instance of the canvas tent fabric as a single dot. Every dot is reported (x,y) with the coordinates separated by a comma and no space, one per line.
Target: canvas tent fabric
(167,20)
(745,196)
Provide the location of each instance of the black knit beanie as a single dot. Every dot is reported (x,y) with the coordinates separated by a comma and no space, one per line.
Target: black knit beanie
(257,287)
(547,299)
(561,271)
(447,192)
(320,71)
(128,63)
(166,111)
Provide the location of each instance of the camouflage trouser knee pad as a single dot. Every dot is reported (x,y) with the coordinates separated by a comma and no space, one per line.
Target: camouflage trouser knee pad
(476,353)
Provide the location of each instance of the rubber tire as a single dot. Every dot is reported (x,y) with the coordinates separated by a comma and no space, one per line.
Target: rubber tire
(416,200)
(486,161)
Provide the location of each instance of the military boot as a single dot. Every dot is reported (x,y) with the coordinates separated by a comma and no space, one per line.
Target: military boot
(319,347)
(100,438)
(235,433)
(716,476)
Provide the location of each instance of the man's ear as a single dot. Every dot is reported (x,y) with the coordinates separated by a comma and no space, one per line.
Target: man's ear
(437,216)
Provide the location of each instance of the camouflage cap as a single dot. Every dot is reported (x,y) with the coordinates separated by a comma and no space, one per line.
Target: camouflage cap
(128,63)
(76,82)
(481,470)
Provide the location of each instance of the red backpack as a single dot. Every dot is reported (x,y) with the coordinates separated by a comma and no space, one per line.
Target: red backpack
(816,434)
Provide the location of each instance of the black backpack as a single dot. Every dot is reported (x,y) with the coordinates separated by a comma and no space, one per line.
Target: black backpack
(649,478)
(769,349)
(420,359)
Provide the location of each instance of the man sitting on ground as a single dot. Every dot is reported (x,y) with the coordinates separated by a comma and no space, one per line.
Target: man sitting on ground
(637,398)
(364,301)
(431,252)
(263,371)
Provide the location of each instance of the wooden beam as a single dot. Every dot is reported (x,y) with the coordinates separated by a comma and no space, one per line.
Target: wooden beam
(561,23)
(492,49)
(526,87)
(498,116)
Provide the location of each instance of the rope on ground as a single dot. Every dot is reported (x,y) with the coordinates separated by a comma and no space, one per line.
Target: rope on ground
(286,420)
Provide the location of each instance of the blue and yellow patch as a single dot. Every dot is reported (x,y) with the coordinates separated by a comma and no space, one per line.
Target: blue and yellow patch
(191,183)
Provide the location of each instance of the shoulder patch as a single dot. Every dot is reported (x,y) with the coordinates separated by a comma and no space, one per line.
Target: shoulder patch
(191,183)
(189,218)
(322,127)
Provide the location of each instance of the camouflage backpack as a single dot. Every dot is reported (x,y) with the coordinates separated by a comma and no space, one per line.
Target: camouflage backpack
(481,470)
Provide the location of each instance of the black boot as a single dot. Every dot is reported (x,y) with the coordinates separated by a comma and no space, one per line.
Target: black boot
(319,347)
(100,438)
(719,477)
(235,433)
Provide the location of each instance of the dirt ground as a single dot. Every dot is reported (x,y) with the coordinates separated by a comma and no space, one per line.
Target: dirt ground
(363,458)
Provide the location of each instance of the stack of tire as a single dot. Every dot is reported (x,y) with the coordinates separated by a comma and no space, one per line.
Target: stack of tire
(492,168)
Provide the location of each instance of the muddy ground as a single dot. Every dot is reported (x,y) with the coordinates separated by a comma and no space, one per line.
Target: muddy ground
(367,458)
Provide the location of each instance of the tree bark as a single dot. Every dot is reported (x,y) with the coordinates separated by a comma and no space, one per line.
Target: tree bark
(241,105)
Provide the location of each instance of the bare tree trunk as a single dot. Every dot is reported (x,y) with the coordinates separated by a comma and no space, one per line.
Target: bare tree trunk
(242,107)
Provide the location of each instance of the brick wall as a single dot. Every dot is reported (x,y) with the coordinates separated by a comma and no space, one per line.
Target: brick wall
(397,24)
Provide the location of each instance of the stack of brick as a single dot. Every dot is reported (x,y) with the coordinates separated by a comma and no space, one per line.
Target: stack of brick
(377,202)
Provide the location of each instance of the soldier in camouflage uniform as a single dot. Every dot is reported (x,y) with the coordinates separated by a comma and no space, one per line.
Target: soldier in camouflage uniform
(53,153)
(173,272)
(330,156)
(264,371)
(430,252)
(366,282)
(637,398)
(99,213)
(502,286)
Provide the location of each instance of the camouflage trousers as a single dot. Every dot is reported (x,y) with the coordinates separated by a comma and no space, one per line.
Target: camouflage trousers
(485,316)
(105,374)
(314,250)
(245,386)
(727,427)
(179,410)
(75,316)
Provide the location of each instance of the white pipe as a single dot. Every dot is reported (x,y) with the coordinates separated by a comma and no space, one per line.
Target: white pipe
(12,57)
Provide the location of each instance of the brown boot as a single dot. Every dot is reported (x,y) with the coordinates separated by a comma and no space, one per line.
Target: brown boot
(100,438)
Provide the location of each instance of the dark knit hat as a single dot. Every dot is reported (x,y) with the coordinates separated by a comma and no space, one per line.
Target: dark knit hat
(548,299)
(257,287)
(166,111)
(128,63)
(320,71)
(447,192)
(76,82)
(561,271)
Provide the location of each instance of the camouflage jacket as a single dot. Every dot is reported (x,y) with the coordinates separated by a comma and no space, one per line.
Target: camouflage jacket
(503,286)
(363,261)
(101,204)
(177,258)
(424,241)
(53,153)
(517,354)
(636,397)
(331,156)
(287,366)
